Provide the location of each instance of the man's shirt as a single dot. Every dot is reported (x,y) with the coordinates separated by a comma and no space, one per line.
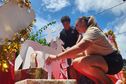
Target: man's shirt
(69,37)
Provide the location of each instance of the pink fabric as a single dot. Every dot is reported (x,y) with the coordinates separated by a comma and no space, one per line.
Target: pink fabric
(119,76)
(113,78)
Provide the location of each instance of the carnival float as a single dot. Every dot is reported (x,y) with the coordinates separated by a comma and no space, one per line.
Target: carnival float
(22,55)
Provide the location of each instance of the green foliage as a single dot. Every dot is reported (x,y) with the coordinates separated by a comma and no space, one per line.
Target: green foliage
(35,36)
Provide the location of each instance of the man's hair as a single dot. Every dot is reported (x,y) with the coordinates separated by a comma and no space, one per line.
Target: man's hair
(65,19)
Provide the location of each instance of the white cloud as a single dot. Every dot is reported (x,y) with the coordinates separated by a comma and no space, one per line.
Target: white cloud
(54,5)
(1,2)
(119,27)
(120,9)
(120,30)
(121,40)
(40,22)
(118,21)
(100,5)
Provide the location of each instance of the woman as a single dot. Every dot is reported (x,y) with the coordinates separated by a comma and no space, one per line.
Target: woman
(99,57)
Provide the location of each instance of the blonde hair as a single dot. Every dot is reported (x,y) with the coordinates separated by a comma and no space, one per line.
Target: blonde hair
(90,21)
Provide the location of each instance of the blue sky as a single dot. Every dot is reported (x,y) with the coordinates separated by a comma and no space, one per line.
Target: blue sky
(115,19)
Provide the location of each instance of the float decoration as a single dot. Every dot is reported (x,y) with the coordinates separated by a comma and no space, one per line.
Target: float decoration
(25,3)
(10,47)
(13,32)
(111,36)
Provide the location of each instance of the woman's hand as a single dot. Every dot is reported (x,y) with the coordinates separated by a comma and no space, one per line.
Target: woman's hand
(50,59)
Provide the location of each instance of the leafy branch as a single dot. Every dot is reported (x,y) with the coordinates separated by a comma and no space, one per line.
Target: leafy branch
(35,37)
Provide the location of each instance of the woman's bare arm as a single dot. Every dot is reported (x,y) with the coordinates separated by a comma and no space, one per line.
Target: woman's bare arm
(73,51)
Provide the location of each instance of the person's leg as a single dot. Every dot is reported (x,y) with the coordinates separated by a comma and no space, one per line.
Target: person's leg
(81,79)
(73,73)
(94,67)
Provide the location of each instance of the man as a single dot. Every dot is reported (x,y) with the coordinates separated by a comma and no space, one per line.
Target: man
(69,36)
